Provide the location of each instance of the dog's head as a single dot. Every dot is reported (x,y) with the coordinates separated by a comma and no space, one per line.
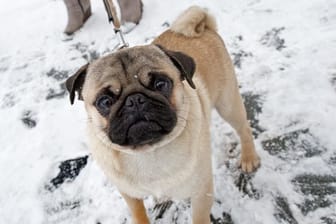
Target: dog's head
(135,97)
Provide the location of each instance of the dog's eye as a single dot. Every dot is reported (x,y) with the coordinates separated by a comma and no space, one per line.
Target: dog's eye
(162,84)
(103,104)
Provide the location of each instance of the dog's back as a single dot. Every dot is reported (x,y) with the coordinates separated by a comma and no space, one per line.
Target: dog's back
(195,33)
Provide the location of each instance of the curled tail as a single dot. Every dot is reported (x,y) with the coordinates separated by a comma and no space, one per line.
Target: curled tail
(193,22)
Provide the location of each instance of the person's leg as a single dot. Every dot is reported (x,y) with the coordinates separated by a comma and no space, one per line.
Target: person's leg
(78,12)
(130,10)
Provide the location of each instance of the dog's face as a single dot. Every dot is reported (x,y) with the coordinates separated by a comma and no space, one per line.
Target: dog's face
(135,97)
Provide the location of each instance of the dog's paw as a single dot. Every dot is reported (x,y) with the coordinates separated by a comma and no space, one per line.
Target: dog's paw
(249,163)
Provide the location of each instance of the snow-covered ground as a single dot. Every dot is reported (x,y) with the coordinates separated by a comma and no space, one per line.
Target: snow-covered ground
(284,52)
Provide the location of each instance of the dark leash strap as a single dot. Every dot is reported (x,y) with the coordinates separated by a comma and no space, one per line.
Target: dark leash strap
(113,17)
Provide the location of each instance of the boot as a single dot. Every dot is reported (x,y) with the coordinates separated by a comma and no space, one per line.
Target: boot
(130,10)
(78,12)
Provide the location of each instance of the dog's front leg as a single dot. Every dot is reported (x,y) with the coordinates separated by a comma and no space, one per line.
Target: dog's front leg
(201,204)
(137,208)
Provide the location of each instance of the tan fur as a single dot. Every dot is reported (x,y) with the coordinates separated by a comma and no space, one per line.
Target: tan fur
(220,79)
(193,22)
(179,166)
(137,208)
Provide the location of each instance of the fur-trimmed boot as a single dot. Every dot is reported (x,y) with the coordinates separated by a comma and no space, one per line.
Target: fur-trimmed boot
(78,12)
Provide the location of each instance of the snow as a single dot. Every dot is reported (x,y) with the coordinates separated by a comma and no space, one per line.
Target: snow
(284,57)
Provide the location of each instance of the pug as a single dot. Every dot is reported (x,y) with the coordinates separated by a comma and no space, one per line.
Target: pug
(149,111)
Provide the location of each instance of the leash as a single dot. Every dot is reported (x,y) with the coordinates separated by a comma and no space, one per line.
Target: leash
(113,17)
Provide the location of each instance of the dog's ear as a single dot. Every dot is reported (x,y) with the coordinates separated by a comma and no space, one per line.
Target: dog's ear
(185,64)
(75,83)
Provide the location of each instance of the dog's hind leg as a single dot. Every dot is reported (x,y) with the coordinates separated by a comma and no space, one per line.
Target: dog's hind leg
(229,105)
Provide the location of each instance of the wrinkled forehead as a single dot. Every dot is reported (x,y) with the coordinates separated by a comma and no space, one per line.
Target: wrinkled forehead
(127,66)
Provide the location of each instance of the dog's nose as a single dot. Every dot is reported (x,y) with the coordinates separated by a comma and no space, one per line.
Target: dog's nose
(135,101)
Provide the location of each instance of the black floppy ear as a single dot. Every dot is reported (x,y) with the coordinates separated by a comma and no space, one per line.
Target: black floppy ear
(185,64)
(75,83)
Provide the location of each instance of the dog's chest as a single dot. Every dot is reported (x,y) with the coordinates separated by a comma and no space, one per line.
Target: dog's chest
(161,173)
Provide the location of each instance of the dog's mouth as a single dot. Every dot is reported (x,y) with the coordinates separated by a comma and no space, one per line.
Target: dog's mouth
(140,133)
(146,123)
(144,132)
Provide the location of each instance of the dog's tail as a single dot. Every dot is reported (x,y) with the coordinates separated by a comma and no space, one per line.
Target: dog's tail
(193,22)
